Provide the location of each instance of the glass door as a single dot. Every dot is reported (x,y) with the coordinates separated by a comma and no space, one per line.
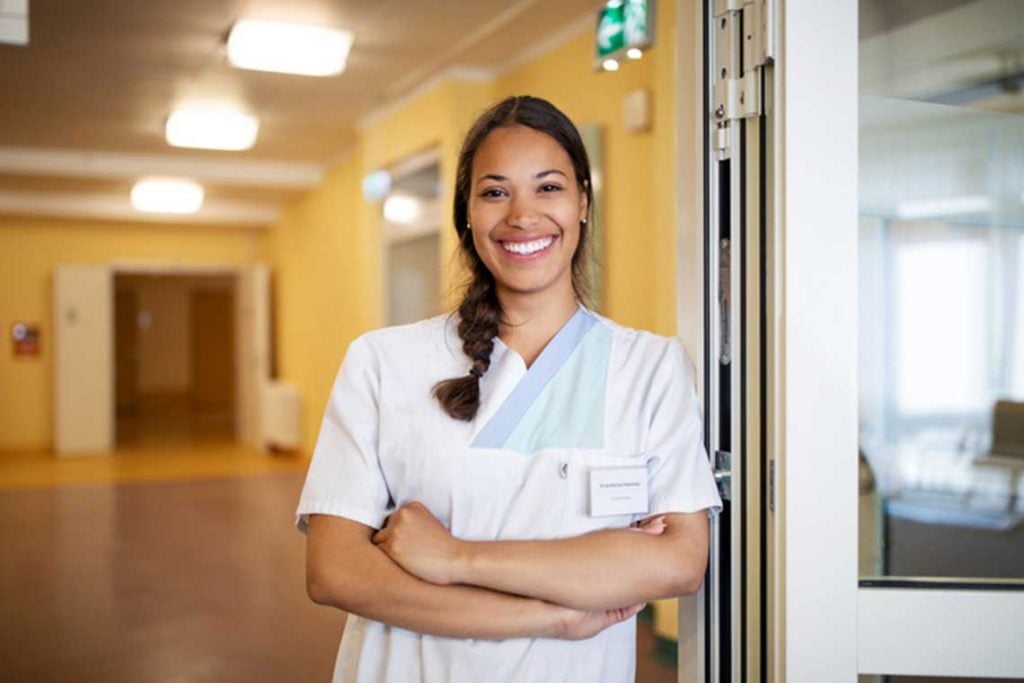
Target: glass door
(893,337)
(941,338)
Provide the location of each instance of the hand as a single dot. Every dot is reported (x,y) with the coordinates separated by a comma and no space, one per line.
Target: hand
(652,525)
(579,625)
(420,544)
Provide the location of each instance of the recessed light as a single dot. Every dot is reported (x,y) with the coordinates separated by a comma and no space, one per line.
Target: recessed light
(167,195)
(288,48)
(211,128)
(402,209)
(634,53)
(376,185)
(610,65)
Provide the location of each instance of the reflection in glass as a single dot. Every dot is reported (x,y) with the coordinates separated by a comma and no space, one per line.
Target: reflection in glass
(941,311)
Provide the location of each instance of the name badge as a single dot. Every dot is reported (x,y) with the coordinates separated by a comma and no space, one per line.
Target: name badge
(618,491)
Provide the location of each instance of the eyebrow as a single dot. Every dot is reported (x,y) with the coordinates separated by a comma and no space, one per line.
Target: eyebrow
(536,176)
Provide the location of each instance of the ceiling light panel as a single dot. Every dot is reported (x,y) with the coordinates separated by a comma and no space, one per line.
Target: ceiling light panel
(281,47)
(167,195)
(211,128)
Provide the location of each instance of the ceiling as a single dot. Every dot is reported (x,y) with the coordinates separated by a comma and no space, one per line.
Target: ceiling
(84,103)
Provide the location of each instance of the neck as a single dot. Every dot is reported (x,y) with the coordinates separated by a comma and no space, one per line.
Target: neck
(532,320)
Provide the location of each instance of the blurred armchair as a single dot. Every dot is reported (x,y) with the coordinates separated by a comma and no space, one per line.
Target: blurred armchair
(1007,451)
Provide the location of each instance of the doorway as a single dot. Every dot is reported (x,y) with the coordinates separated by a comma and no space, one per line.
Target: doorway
(411,230)
(174,359)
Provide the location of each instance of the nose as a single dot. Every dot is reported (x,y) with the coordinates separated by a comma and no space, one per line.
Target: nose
(522,213)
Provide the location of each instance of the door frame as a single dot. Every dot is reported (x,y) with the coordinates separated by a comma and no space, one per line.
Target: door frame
(812,339)
(251,351)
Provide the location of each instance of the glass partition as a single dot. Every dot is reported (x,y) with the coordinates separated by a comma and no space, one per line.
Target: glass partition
(941,313)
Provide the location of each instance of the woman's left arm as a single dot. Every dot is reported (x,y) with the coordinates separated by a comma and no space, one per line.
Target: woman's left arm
(665,557)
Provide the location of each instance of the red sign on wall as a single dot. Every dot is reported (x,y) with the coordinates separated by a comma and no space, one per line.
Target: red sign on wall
(25,339)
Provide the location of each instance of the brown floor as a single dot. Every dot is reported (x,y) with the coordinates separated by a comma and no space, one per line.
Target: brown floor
(162,564)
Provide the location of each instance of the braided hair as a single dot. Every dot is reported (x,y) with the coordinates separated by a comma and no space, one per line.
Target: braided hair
(480,312)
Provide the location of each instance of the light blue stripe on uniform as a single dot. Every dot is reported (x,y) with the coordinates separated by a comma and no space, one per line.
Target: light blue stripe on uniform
(497,431)
(569,413)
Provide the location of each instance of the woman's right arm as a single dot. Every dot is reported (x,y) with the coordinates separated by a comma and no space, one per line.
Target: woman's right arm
(344,569)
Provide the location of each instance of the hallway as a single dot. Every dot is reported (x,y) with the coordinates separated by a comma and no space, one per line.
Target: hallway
(196,580)
(161,564)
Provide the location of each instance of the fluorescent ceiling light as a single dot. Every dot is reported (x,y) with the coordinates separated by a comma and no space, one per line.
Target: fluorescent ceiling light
(288,48)
(943,206)
(14,22)
(610,65)
(211,128)
(167,195)
(402,209)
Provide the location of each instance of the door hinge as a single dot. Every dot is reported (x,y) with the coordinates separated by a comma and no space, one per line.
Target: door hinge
(723,474)
(743,44)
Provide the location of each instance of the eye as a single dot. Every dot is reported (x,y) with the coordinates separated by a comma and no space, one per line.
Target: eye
(492,192)
(550,187)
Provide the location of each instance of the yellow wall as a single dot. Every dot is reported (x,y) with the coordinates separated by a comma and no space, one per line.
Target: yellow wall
(322,258)
(29,252)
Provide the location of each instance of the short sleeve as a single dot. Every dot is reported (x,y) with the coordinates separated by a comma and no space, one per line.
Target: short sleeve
(345,477)
(680,478)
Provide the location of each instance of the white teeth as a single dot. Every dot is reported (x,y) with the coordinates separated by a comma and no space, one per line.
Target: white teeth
(525,248)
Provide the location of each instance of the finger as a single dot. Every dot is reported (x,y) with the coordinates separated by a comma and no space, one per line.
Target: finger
(381,536)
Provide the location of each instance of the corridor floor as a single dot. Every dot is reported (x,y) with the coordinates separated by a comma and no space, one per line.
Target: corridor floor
(163,566)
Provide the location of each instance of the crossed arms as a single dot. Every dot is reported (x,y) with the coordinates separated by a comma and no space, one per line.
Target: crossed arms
(415,575)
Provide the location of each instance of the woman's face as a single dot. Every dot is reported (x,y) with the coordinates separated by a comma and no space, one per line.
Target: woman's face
(525,209)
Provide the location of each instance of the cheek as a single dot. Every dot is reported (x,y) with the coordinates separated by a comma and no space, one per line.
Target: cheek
(484,247)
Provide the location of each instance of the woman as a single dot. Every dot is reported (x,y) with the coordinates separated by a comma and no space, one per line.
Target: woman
(494,495)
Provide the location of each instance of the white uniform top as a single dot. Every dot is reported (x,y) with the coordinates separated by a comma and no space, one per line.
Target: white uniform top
(599,395)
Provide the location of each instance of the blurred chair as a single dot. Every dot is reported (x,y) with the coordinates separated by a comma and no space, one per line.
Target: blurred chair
(1008,429)
(1007,451)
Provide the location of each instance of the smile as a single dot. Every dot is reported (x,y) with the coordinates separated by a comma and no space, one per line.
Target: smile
(528,248)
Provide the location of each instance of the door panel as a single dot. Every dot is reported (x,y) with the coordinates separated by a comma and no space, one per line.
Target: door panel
(213,334)
(252,352)
(83,359)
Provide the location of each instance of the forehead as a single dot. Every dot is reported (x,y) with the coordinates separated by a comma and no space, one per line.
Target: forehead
(511,148)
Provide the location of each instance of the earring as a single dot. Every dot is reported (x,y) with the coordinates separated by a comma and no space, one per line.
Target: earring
(584,221)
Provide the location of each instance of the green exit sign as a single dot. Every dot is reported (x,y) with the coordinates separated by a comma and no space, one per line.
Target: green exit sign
(624,26)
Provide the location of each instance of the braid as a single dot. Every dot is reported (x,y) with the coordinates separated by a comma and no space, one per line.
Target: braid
(479,315)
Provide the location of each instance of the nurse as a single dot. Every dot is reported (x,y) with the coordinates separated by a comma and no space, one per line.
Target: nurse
(496,493)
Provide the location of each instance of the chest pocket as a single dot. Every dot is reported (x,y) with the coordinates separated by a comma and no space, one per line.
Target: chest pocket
(576,467)
(510,496)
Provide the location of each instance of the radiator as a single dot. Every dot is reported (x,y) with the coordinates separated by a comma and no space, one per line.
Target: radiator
(282,416)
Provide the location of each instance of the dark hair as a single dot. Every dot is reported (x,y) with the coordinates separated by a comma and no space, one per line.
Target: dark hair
(480,311)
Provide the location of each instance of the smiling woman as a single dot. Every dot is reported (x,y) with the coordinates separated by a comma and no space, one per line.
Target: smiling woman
(512,528)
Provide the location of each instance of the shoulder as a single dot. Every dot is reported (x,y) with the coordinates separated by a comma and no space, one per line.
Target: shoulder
(642,345)
(431,331)
(425,343)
